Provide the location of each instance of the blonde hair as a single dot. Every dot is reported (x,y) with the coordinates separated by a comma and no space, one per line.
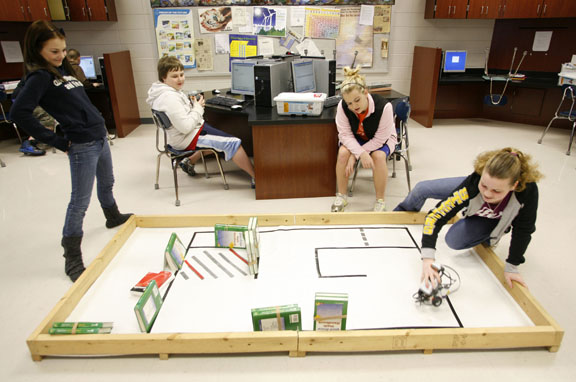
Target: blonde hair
(508,163)
(352,81)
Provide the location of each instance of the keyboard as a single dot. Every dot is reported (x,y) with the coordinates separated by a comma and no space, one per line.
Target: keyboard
(223,101)
(332,101)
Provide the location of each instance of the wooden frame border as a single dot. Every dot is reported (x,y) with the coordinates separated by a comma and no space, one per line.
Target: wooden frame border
(546,332)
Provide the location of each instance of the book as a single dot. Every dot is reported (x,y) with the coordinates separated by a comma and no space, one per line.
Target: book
(230,235)
(252,245)
(285,317)
(330,311)
(148,306)
(174,253)
(159,277)
(96,325)
(80,331)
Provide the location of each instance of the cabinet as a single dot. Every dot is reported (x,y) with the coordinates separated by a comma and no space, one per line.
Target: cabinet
(483,9)
(90,10)
(552,8)
(450,9)
(24,10)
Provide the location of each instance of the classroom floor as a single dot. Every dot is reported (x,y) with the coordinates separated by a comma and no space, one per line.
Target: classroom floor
(33,197)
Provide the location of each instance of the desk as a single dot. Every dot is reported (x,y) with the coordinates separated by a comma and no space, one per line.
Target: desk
(294,156)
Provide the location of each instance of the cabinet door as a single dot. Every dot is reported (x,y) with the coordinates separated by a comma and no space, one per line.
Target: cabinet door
(517,9)
(12,11)
(451,9)
(97,10)
(78,11)
(38,10)
(569,8)
(555,8)
(476,9)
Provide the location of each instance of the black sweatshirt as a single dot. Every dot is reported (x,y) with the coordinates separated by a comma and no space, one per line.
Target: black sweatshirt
(66,101)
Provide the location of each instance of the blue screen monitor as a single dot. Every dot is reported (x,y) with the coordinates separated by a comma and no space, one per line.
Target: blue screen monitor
(454,61)
(87,64)
(303,76)
(242,77)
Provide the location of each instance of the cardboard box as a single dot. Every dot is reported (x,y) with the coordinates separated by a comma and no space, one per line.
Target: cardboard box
(285,317)
(300,103)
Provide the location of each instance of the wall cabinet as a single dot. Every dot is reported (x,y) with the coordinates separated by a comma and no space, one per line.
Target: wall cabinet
(24,10)
(499,9)
(72,10)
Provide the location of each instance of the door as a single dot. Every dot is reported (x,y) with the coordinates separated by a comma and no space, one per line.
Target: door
(78,11)
(38,10)
(12,11)
(97,10)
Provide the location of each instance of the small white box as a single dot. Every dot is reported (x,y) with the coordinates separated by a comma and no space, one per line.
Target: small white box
(300,103)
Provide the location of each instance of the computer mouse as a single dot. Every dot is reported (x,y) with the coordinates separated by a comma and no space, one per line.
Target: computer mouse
(215,91)
(236,107)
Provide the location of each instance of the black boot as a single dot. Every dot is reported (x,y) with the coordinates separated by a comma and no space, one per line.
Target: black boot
(113,217)
(73,255)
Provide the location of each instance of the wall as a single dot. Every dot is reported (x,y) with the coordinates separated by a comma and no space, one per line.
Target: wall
(135,31)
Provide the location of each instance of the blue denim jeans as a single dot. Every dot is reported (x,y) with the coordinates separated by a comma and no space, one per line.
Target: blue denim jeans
(88,161)
(467,232)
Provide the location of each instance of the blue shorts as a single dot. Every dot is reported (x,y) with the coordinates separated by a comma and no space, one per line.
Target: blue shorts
(384,147)
(212,138)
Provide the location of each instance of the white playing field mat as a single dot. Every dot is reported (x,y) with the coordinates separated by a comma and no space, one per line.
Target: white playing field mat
(378,266)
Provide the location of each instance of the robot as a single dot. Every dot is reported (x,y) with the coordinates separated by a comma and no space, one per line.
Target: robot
(433,295)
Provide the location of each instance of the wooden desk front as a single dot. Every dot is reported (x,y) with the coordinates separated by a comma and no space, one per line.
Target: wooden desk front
(294,156)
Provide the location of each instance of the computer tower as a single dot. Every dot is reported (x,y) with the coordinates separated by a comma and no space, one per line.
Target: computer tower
(270,79)
(325,74)
(103,71)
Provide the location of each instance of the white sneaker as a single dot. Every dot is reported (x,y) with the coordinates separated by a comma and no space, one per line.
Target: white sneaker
(380,205)
(339,203)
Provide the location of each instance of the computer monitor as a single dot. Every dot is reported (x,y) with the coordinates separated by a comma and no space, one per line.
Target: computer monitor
(87,64)
(303,76)
(242,77)
(454,61)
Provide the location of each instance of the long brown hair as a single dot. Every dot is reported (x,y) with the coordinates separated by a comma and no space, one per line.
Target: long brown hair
(37,34)
(508,163)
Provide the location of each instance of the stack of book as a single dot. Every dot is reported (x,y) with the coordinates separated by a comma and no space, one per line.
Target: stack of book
(285,317)
(241,236)
(81,328)
(330,311)
(148,307)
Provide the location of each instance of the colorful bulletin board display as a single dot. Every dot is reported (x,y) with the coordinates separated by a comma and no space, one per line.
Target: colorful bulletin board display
(242,46)
(322,23)
(352,38)
(541,331)
(269,21)
(191,3)
(175,35)
(215,20)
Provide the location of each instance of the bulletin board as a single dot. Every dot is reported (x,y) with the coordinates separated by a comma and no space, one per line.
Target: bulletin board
(532,327)
(295,21)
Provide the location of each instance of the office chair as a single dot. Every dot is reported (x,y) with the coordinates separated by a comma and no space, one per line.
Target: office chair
(5,116)
(402,113)
(569,94)
(163,123)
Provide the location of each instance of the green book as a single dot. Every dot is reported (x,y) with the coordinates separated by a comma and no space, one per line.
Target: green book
(148,306)
(175,253)
(230,235)
(285,317)
(330,311)
(80,330)
(82,324)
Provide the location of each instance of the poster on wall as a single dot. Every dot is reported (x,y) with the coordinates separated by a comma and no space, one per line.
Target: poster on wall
(242,46)
(174,35)
(322,23)
(214,20)
(269,21)
(354,38)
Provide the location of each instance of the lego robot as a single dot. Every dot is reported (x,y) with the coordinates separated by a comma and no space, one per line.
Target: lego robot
(433,294)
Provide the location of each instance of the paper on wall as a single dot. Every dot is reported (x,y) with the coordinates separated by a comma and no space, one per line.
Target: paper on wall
(265,46)
(366,15)
(12,51)
(222,43)
(297,16)
(542,41)
(308,48)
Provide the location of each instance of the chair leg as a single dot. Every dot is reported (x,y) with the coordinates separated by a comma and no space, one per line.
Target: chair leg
(226,187)
(157,185)
(571,139)
(393,157)
(407,163)
(546,130)
(351,188)
(175,171)
(17,132)
(205,166)
(2,164)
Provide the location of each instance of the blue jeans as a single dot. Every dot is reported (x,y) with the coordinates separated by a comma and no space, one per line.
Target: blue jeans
(467,232)
(88,161)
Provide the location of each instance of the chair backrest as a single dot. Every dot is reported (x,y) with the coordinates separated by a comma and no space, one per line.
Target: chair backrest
(402,110)
(161,119)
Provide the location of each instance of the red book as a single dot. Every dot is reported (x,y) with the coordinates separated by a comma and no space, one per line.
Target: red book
(160,278)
